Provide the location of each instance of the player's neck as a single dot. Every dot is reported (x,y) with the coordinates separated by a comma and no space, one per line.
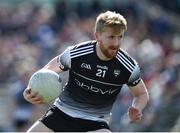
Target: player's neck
(100,53)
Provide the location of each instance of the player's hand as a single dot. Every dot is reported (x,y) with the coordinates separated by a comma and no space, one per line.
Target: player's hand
(33,97)
(135,115)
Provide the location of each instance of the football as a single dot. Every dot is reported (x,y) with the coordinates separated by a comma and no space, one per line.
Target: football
(47,83)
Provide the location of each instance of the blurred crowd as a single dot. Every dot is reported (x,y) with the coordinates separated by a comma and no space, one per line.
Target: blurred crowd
(32,33)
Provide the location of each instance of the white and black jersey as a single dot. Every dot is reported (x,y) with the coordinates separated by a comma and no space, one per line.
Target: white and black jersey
(94,84)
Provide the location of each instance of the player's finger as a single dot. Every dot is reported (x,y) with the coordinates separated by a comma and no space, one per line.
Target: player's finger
(135,119)
(137,115)
(38,100)
(28,91)
(37,97)
(32,95)
(133,110)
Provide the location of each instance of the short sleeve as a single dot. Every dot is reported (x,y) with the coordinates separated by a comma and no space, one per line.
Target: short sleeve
(64,60)
(135,76)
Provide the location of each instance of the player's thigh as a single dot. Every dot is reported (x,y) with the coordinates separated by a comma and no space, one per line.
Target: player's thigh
(39,127)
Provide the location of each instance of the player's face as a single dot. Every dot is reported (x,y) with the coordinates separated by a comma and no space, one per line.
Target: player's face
(110,41)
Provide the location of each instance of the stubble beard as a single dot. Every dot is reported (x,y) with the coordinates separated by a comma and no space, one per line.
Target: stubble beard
(109,52)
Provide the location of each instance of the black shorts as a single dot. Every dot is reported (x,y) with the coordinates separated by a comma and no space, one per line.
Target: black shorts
(58,121)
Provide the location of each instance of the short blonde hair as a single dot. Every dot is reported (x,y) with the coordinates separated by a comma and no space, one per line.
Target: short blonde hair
(110,19)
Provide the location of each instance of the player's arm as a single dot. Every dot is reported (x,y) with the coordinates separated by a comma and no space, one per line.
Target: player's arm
(53,65)
(140,100)
(60,63)
(140,95)
(34,97)
(57,64)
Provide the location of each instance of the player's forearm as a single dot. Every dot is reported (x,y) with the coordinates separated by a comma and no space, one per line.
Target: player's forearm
(53,65)
(141,101)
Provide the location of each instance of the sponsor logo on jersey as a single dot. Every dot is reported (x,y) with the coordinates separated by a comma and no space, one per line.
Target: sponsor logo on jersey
(102,67)
(87,66)
(94,88)
(117,72)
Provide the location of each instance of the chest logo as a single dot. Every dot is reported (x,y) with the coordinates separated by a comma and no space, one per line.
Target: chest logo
(116,72)
(87,66)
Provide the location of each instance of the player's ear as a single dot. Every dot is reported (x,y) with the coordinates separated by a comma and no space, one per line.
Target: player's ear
(97,36)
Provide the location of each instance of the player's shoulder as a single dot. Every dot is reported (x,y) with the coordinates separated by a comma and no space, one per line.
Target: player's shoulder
(127,61)
(123,55)
(82,49)
(83,45)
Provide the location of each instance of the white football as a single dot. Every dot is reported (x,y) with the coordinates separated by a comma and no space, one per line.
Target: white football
(47,83)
